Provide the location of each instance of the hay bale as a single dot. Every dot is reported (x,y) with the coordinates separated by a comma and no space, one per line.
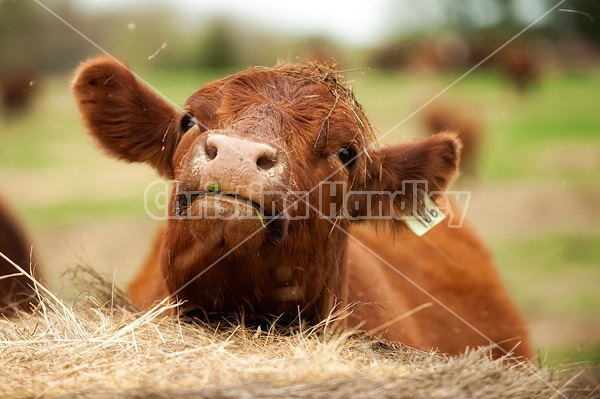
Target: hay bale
(100,347)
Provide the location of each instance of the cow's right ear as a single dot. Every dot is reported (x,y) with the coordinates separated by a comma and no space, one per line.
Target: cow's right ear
(127,119)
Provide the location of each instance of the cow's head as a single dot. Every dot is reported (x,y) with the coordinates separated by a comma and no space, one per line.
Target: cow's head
(264,162)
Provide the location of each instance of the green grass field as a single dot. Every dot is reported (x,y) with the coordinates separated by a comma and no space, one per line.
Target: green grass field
(540,168)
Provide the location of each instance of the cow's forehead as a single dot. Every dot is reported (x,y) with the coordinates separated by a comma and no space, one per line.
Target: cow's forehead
(309,91)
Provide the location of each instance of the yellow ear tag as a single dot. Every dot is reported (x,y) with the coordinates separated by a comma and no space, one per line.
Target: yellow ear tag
(424,215)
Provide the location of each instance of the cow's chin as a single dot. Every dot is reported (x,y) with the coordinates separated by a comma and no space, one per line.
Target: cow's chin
(223,223)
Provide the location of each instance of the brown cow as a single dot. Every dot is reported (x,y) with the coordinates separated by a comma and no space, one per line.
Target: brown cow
(520,63)
(442,117)
(16,290)
(235,243)
(17,87)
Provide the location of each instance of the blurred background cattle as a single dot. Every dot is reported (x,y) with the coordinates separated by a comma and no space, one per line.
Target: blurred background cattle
(466,125)
(17,88)
(16,289)
(527,117)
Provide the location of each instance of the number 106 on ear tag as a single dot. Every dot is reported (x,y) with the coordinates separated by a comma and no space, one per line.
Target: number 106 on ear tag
(424,215)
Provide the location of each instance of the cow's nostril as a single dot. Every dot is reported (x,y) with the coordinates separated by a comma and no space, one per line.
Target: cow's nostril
(265,163)
(211,152)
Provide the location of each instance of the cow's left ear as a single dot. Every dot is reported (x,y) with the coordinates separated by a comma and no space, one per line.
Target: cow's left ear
(428,165)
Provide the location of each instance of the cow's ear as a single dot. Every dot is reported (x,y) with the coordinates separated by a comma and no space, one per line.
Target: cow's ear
(126,118)
(405,170)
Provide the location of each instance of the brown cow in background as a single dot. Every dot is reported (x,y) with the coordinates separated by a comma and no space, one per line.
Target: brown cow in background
(16,291)
(443,117)
(244,145)
(520,62)
(17,88)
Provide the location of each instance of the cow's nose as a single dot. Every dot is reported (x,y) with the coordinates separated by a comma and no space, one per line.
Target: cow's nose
(232,150)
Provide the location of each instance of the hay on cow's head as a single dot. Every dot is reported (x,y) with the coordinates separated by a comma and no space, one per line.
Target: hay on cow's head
(327,73)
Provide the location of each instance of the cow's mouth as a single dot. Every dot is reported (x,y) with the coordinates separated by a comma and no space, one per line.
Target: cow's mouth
(231,206)
(185,200)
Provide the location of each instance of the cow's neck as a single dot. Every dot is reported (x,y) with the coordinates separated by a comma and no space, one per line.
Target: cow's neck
(304,275)
(310,278)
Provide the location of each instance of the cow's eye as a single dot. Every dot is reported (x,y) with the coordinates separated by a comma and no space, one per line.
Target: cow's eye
(188,122)
(347,156)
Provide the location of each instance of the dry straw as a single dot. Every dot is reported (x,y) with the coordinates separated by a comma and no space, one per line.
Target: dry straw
(98,346)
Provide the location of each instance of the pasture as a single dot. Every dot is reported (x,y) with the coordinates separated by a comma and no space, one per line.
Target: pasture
(535,199)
